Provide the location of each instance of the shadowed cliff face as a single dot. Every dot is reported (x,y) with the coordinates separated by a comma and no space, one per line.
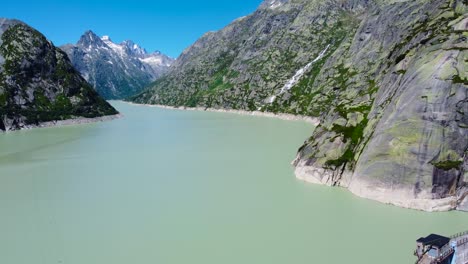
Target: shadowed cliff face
(38,83)
(387,79)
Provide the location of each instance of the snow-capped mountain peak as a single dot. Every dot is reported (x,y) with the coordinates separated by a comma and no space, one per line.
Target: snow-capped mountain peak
(106,38)
(133,48)
(116,70)
(90,39)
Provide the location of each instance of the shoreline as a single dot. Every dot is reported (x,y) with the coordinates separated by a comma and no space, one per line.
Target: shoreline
(289,117)
(401,197)
(67,122)
(303,173)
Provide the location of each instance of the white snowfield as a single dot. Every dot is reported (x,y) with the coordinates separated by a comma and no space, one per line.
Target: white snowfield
(123,49)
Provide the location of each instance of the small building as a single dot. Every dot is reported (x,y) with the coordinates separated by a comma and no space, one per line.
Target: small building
(431,245)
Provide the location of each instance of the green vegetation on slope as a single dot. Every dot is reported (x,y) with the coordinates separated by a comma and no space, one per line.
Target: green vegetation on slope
(39,84)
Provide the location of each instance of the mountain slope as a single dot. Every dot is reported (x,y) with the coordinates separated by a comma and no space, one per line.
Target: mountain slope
(387,79)
(245,64)
(38,82)
(116,70)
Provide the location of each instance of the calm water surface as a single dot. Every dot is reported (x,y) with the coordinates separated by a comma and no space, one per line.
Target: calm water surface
(177,187)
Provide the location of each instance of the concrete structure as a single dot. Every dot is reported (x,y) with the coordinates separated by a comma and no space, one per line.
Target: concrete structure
(437,249)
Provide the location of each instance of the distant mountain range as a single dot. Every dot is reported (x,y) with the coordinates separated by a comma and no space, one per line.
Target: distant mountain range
(38,83)
(116,71)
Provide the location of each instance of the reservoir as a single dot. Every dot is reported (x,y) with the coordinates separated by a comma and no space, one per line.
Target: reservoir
(176,187)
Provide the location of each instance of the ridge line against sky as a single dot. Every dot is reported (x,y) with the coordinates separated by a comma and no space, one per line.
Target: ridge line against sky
(166,26)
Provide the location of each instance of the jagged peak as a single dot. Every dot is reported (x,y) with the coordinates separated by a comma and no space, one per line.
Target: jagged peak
(106,38)
(133,48)
(89,38)
(90,33)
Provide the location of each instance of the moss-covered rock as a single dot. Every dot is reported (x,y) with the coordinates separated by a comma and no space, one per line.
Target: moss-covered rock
(37,81)
(386,78)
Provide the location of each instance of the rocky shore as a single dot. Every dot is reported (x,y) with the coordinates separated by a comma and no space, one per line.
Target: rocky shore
(68,122)
(396,195)
(290,117)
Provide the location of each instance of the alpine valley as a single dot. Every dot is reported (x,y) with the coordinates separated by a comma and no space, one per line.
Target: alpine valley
(116,71)
(361,98)
(386,78)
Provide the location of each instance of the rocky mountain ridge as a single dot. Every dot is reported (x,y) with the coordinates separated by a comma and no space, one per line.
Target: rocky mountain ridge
(116,70)
(387,78)
(38,84)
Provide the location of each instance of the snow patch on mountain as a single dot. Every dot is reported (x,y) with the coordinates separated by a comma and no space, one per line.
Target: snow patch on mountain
(156,60)
(297,76)
(116,70)
(273,4)
(116,48)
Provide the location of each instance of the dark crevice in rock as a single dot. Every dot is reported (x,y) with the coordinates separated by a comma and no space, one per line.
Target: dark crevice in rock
(2,125)
(444,182)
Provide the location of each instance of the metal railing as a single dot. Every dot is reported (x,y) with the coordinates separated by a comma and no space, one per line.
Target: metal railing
(462,241)
(459,234)
(447,250)
(443,256)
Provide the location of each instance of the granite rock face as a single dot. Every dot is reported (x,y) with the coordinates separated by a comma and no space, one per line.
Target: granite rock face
(463,205)
(116,71)
(406,143)
(249,62)
(38,83)
(388,80)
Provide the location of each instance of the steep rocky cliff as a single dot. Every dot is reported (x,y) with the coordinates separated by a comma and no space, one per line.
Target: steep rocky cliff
(387,78)
(116,71)
(38,83)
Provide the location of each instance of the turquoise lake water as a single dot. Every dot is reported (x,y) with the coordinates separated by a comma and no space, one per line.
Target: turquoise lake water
(171,187)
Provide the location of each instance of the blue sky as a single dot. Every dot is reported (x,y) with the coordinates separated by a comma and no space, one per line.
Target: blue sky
(166,25)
